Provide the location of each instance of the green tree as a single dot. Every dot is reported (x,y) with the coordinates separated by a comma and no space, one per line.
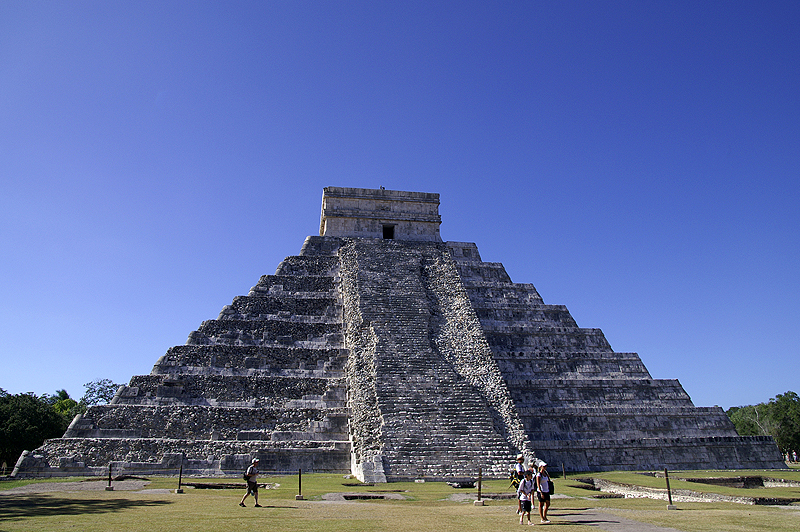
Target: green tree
(60,395)
(779,418)
(99,392)
(25,422)
(785,411)
(752,420)
(65,405)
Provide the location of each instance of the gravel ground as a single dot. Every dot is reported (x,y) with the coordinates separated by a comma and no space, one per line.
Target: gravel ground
(89,485)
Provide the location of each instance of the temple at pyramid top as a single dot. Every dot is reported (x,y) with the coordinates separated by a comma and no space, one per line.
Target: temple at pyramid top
(380,213)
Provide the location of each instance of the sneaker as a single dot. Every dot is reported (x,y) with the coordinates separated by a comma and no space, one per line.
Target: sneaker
(545,522)
(242,504)
(257,506)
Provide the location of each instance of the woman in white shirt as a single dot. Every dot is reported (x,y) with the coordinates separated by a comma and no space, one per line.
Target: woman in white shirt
(543,492)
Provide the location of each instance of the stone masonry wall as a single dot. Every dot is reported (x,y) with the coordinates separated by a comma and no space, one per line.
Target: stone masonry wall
(582,404)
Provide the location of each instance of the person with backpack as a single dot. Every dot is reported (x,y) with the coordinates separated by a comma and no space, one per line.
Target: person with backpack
(251,476)
(525,496)
(516,477)
(543,489)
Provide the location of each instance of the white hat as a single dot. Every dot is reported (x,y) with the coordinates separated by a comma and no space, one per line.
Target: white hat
(255,460)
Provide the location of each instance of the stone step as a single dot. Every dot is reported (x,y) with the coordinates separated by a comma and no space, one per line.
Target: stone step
(294,285)
(261,332)
(281,307)
(251,391)
(199,422)
(324,361)
(307,265)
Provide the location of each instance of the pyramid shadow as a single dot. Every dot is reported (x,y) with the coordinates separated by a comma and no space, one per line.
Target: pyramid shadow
(17,506)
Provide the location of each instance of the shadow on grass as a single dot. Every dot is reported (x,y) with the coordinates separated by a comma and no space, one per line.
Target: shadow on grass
(16,506)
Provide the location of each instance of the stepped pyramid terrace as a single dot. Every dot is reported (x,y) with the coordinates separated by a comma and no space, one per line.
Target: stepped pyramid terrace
(384,352)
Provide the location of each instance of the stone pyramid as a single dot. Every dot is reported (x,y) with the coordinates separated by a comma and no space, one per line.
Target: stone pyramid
(384,352)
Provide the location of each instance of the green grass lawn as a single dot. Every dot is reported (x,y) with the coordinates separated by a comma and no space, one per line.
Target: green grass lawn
(428,506)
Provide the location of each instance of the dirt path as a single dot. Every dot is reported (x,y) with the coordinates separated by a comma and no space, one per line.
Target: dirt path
(89,485)
(609,522)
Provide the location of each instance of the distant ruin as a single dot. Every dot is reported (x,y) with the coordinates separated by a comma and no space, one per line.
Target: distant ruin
(384,352)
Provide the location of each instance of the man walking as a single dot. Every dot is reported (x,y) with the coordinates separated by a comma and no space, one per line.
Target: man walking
(252,482)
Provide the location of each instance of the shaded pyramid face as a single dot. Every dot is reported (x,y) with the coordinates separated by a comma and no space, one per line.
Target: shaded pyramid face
(382,351)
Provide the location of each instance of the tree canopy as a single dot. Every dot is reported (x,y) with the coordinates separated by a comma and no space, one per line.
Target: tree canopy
(99,392)
(779,418)
(26,420)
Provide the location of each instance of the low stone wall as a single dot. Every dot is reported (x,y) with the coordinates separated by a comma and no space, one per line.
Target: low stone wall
(679,495)
(91,457)
(733,452)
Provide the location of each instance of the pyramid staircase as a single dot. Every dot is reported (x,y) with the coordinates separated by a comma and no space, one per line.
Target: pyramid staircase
(435,422)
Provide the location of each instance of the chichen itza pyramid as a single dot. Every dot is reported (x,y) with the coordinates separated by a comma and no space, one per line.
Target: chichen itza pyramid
(384,352)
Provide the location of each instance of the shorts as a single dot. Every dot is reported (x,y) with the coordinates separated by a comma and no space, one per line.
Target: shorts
(252,488)
(543,497)
(526,506)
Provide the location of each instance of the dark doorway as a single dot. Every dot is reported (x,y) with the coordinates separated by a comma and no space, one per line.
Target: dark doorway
(388,232)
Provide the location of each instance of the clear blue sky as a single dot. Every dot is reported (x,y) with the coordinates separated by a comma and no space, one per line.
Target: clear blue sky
(638,162)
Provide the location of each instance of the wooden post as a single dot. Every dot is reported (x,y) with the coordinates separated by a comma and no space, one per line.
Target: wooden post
(479,502)
(109,487)
(180,478)
(299,496)
(670,506)
(563,471)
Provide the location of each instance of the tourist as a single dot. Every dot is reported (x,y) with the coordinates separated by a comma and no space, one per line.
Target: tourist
(516,477)
(532,469)
(543,492)
(252,483)
(525,496)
